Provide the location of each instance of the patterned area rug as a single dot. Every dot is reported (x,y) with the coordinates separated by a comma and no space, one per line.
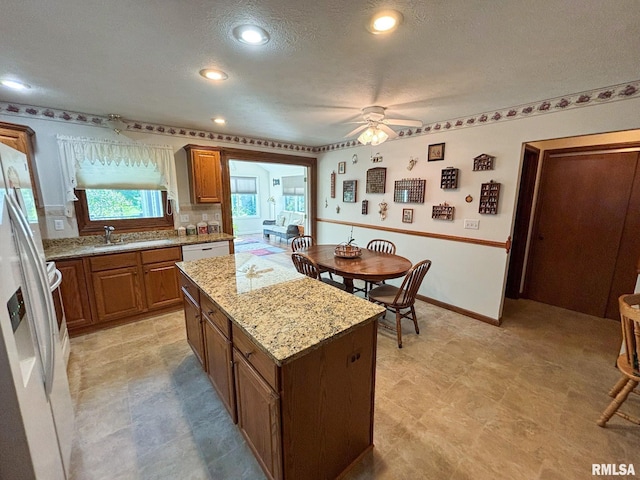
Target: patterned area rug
(256,247)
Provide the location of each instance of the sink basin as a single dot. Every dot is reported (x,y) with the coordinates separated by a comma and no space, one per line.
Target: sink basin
(132,245)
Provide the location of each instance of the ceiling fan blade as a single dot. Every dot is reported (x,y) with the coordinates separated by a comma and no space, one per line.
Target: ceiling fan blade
(356,130)
(402,123)
(388,130)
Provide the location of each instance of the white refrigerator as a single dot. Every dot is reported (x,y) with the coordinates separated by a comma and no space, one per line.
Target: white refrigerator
(36,413)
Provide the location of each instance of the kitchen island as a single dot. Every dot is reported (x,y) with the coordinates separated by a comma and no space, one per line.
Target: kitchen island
(292,359)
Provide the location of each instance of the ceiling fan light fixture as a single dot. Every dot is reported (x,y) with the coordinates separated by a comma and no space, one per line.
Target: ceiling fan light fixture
(251,34)
(385,21)
(219,121)
(373,135)
(212,74)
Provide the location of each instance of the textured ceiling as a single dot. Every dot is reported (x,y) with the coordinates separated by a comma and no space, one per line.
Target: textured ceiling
(449,58)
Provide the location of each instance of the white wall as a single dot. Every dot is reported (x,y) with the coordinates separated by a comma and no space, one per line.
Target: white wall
(464,275)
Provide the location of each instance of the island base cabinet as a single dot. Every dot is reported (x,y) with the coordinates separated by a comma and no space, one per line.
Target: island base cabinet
(218,361)
(194,328)
(327,400)
(258,416)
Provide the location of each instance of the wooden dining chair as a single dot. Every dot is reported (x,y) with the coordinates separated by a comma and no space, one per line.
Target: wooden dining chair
(627,361)
(308,267)
(401,299)
(301,241)
(304,241)
(378,245)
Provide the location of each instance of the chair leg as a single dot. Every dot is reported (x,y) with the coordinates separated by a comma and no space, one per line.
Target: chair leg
(618,386)
(414,317)
(399,327)
(616,402)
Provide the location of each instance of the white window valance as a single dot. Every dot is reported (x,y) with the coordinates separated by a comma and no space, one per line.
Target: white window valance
(107,164)
(293,185)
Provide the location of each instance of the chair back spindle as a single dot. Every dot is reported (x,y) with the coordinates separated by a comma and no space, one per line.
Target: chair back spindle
(409,289)
(302,241)
(380,245)
(305,265)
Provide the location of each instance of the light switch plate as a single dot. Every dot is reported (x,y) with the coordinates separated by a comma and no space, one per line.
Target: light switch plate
(58,225)
(471,224)
(184,218)
(205,217)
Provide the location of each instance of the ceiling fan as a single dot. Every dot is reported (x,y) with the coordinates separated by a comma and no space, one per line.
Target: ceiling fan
(376,126)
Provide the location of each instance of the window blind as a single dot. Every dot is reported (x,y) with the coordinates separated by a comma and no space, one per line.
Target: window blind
(244,185)
(294,185)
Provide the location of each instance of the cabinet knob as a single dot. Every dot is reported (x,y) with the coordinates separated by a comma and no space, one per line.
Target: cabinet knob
(210,312)
(248,354)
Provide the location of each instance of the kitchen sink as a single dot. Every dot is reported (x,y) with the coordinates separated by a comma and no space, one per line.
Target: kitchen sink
(132,245)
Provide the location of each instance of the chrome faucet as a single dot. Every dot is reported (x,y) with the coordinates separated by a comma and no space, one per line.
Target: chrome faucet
(107,233)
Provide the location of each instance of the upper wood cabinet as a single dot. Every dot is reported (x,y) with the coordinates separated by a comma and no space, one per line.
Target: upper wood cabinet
(204,174)
(20,137)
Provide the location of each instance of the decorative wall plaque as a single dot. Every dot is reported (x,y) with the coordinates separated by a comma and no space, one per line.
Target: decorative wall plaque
(349,189)
(365,207)
(409,190)
(333,184)
(376,180)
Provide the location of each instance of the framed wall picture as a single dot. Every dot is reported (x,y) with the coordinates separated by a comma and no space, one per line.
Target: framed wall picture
(407,215)
(435,152)
(342,166)
(349,188)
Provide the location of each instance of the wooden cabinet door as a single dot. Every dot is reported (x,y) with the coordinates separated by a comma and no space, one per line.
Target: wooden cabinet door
(75,295)
(118,293)
(194,328)
(162,285)
(258,416)
(206,184)
(218,360)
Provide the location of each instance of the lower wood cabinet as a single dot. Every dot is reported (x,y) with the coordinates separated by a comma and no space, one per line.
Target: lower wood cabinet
(258,415)
(75,294)
(118,287)
(193,324)
(219,364)
(117,293)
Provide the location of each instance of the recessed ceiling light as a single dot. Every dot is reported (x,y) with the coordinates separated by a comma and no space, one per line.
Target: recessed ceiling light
(212,74)
(385,22)
(219,121)
(251,35)
(15,84)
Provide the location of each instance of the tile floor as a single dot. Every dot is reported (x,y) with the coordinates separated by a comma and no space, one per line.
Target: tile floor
(463,400)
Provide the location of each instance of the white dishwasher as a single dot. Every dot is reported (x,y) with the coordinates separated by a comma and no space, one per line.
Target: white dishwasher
(204,250)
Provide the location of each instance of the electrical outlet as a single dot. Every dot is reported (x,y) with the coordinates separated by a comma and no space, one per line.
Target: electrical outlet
(58,225)
(471,224)
(217,216)
(184,218)
(205,217)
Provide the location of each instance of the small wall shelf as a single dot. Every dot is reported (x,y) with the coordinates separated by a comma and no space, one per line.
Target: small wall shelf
(444,211)
(489,198)
(483,162)
(449,178)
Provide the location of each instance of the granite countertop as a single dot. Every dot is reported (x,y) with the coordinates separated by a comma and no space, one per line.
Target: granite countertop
(285,312)
(63,248)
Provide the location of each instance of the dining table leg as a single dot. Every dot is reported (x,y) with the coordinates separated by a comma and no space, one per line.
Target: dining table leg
(348,284)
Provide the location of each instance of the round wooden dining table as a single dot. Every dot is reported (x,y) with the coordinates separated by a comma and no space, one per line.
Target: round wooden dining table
(371,266)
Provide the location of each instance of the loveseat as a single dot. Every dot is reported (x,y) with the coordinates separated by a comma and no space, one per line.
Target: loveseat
(285,225)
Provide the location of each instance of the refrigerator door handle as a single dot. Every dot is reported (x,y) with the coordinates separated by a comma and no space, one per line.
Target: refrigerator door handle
(23,231)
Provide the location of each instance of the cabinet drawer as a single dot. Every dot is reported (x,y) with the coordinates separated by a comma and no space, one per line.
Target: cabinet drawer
(113,260)
(214,314)
(256,357)
(162,255)
(190,289)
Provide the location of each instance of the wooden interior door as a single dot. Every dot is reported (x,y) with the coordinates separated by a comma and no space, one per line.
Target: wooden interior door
(581,214)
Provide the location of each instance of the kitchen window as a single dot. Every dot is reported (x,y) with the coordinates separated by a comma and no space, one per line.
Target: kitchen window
(244,197)
(130,186)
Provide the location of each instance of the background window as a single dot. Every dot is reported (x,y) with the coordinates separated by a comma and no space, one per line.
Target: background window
(244,196)
(293,192)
